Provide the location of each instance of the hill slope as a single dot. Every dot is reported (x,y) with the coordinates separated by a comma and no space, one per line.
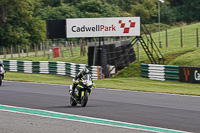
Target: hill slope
(174,54)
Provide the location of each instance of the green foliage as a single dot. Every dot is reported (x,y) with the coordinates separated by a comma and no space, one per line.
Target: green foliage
(98,9)
(52,3)
(186,10)
(61,12)
(152,28)
(168,15)
(147,10)
(22,21)
(18,26)
(37,30)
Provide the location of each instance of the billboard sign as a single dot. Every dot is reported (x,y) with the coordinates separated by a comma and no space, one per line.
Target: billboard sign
(189,74)
(102,27)
(56,28)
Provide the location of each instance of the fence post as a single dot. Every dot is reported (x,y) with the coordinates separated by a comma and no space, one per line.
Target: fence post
(4,52)
(61,50)
(26,50)
(71,48)
(75,44)
(19,51)
(181,38)
(11,51)
(95,48)
(166,39)
(81,46)
(84,49)
(35,48)
(197,37)
(43,47)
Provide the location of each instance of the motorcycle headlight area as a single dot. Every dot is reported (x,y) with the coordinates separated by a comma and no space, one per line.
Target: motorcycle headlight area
(88,83)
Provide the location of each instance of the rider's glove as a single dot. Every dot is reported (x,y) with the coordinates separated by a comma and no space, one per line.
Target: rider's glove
(73,80)
(93,84)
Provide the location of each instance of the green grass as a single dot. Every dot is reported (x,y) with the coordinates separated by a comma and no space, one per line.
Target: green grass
(174,54)
(75,59)
(134,83)
(144,84)
(38,78)
(67,57)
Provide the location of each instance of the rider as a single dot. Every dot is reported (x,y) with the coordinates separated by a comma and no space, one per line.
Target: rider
(1,64)
(77,78)
(2,69)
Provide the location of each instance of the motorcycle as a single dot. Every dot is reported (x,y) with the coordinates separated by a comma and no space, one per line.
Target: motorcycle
(2,73)
(82,93)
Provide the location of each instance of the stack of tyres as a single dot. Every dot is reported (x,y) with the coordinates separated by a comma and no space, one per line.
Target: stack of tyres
(126,49)
(90,55)
(112,54)
(119,55)
(108,53)
(132,56)
(104,62)
(98,57)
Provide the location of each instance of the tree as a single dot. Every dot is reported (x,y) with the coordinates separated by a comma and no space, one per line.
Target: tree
(61,12)
(147,10)
(52,3)
(168,15)
(186,10)
(97,8)
(16,21)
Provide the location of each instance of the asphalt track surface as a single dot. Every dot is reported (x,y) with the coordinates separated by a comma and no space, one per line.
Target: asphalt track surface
(179,112)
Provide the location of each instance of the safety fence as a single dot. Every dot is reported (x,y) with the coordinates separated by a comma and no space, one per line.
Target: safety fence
(160,72)
(183,37)
(49,67)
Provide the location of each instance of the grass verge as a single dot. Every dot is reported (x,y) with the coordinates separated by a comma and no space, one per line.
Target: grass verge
(134,83)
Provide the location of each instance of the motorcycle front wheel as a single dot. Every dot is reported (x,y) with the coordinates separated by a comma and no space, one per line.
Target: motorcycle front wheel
(72,102)
(1,80)
(84,99)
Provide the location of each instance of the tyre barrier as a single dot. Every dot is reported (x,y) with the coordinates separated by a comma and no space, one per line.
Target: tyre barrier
(160,72)
(112,54)
(49,67)
(90,55)
(119,50)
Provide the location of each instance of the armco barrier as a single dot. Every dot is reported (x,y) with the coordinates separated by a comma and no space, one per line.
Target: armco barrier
(49,67)
(160,72)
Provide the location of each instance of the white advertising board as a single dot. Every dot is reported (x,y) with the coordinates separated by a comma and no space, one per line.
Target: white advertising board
(102,27)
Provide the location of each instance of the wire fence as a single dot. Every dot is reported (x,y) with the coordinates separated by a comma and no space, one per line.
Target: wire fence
(179,38)
(52,49)
(46,49)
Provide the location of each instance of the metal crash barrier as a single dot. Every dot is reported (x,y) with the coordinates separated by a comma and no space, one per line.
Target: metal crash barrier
(170,72)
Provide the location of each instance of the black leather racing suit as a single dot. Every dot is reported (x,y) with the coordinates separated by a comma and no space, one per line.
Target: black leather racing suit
(77,79)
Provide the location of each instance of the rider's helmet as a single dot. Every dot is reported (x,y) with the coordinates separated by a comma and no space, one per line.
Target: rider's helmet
(85,71)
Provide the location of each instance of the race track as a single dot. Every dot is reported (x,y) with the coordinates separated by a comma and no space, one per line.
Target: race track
(176,112)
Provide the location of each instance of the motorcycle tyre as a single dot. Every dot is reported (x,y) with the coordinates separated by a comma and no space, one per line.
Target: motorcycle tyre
(84,99)
(73,102)
(1,80)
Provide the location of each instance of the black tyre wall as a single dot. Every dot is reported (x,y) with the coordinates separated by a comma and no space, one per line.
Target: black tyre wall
(90,55)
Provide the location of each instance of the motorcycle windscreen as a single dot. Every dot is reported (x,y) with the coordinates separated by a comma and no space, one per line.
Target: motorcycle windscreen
(86,77)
